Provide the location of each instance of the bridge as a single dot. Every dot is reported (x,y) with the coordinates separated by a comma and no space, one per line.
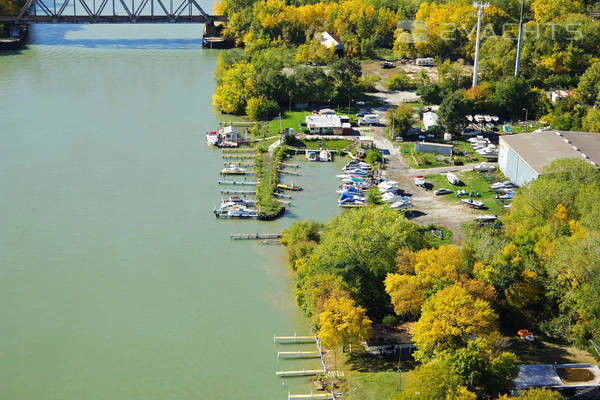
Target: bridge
(111,12)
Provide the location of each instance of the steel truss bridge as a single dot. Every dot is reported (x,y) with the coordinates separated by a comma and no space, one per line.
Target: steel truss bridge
(111,12)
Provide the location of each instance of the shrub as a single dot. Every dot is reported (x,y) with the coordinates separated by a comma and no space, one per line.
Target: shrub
(261,108)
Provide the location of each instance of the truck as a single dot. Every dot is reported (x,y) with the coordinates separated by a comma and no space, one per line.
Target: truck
(369,119)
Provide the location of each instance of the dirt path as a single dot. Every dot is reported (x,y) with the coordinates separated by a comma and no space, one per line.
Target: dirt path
(428,208)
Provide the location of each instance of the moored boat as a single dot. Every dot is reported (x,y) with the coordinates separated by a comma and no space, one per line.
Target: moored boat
(472,203)
(452,179)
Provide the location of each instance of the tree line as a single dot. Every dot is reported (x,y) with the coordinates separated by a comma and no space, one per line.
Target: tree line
(539,270)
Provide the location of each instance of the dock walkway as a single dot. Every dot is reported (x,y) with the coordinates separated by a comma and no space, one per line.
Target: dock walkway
(255,236)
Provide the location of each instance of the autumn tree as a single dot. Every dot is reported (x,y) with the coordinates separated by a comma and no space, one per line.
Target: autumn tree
(237,85)
(547,10)
(401,119)
(450,318)
(343,323)
(535,394)
(435,380)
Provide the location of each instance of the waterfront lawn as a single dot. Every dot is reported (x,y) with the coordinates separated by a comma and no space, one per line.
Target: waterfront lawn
(435,241)
(268,204)
(292,119)
(434,160)
(263,145)
(327,143)
(374,385)
(472,182)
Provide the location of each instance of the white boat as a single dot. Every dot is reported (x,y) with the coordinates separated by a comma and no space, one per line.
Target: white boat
(420,181)
(388,186)
(401,205)
(236,211)
(452,179)
(236,201)
(486,218)
(325,156)
(390,197)
(470,118)
(472,203)
(487,118)
(479,118)
(233,169)
(213,138)
(312,156)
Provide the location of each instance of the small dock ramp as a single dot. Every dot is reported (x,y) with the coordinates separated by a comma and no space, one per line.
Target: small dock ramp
(294,339)
(311,396)
(301,372)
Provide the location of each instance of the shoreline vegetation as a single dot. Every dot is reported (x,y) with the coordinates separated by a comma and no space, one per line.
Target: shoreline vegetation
(371,271)
(539,270)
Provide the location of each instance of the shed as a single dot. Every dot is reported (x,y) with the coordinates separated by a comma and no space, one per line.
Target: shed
(430,120)
(440,148)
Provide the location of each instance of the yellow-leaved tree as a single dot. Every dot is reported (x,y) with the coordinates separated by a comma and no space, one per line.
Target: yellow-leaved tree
(422,270)
(450,318)
(343,323)
(547,10)
(236,86)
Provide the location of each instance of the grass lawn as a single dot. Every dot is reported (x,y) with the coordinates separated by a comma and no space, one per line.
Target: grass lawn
(435,241)
(374,385)
(264,144)
(289,120)
(473,182)
(433,160)
(327,143)
(546,351)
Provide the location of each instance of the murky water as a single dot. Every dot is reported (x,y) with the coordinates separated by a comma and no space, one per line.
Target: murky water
(116,281)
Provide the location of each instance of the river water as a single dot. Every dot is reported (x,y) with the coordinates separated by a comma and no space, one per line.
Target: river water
(116,281)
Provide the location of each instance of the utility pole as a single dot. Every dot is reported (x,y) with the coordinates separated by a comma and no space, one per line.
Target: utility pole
(479,7)
(520,43)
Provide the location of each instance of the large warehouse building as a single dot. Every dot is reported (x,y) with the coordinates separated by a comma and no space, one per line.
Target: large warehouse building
(523,157)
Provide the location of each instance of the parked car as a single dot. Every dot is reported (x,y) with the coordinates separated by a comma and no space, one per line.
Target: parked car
(387,65)
(360,103)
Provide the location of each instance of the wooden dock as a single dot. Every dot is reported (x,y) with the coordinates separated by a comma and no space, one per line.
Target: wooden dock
(294,339)
(283,171)
(353,205)
(298,354)
(255,236)
(247,183)
(289,165)
(301,372)
(288,187)
(311,396)
(237,173)
(282,195)
(229,191)
(238,156)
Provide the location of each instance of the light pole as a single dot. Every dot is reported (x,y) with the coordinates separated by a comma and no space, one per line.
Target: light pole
(519,44)
(526,118)
(479,7)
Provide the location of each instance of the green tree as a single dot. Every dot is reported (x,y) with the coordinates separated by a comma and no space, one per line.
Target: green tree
(435,380)
(535,394)
(373,157)
(453,112)
(511,96)
(591,121)
(260,108)
(588,89)
(401,119)
(374,197)
(400,81)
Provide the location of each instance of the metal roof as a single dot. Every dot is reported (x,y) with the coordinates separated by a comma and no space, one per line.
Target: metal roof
(539,149)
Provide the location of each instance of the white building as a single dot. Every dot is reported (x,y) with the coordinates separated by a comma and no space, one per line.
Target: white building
(439,148)
(522,158)
(329,41)
(324,124)
(430,120)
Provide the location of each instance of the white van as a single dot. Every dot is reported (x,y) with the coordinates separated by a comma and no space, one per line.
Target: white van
(369,119)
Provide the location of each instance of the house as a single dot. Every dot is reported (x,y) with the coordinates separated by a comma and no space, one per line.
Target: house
(328,40)
(439,148)
(430,120)
(324,124)
(230,133)
(560,95)
(568,379)
(522,158)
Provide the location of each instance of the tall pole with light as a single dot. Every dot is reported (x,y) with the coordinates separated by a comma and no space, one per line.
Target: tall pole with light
(479,7)
(520,43)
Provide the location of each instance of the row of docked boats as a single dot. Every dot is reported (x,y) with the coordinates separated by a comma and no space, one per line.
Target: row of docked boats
(484,147)
(356,180)
(236,207)
(321,155)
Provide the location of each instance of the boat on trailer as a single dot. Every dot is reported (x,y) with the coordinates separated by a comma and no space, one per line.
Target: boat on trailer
(473,203)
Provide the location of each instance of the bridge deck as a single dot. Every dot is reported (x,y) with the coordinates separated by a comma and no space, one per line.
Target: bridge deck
(112,19)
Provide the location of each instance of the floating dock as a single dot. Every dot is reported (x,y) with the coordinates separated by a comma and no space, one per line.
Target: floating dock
(228,191)
(282,195)
(301,372)
(238,156)
(249,183)
(298,354)
(311,396)
(255,236)
(282,171)
(294,339)
(352,205)
(287,203)
(289,165)
(237,173)
(288,187)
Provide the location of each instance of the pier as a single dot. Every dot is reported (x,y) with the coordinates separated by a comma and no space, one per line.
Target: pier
(311,396)
(248,183)
(255,236)
(301,372)
(237,173)
(298,354)
(282,171)
(294,339)
(231,191)
(238,156)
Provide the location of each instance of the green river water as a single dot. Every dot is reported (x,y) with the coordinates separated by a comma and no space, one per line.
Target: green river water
(116,281)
